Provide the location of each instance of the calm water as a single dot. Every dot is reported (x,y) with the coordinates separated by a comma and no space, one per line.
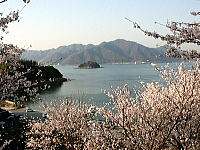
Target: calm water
(87,84)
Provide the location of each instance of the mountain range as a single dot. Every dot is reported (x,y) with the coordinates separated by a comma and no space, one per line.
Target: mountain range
(117,51)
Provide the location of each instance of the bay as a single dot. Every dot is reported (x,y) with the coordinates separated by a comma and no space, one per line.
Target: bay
(87,84)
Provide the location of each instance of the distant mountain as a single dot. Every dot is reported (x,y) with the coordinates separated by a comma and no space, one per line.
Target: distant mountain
(118,51)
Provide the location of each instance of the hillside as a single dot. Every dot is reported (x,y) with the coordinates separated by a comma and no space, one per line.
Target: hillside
(26,80)
(118,51)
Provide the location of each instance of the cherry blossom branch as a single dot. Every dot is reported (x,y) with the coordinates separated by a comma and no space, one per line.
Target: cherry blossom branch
(181,33)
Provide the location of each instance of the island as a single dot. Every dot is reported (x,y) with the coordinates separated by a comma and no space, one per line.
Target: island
(89,65)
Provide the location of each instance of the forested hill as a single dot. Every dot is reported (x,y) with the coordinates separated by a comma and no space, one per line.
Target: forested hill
(118,51)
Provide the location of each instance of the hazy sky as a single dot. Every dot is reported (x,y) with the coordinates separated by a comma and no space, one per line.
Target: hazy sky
(52,23)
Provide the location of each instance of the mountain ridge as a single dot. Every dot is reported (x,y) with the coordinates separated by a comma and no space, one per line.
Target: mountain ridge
(116,51)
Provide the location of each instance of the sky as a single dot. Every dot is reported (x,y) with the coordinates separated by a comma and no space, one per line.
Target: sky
(46,24)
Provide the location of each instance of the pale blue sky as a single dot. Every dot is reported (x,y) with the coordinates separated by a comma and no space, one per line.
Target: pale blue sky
(52,23)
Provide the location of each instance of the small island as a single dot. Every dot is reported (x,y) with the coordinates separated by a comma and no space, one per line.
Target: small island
(89,65)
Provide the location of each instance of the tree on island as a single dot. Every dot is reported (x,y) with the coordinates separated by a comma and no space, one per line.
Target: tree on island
(89,65)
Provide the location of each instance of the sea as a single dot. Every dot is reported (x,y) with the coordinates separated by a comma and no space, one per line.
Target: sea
(88,85)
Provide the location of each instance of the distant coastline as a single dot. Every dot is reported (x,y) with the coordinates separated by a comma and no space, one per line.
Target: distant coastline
(117,51)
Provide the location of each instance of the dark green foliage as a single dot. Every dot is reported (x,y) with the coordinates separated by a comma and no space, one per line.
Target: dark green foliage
(46,72)
(89,64)
(50,72)
(34,78)
(28,63)
(3,67)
